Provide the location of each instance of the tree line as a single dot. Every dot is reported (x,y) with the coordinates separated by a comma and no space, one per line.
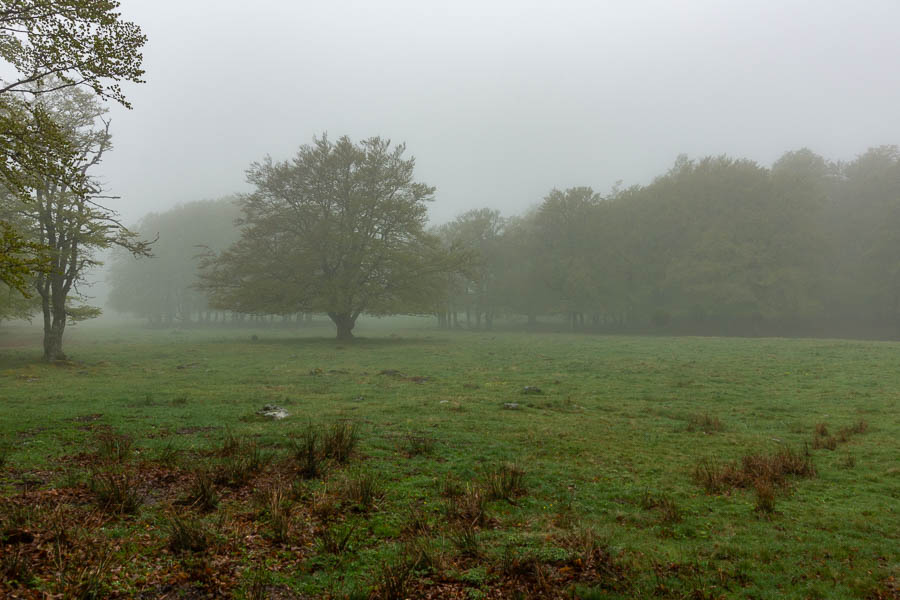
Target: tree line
(713,246)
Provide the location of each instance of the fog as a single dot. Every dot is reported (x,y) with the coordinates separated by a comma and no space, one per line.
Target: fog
(501,101)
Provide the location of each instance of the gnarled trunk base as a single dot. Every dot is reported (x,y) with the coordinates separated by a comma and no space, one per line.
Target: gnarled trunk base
(344,323)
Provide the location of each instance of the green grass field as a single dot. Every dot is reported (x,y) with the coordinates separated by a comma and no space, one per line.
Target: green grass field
(641,467)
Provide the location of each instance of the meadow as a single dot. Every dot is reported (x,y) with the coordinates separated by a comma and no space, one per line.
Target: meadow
(419,463)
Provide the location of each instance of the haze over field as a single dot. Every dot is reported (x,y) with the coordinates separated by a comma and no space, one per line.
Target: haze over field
(500,101)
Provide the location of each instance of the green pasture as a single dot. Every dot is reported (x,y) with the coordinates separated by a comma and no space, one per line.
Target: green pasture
(608,443)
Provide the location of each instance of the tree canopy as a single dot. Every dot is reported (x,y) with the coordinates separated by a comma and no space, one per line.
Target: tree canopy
(52,45)
(339,229)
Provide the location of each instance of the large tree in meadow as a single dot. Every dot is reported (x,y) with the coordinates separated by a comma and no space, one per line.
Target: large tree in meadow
(339,229)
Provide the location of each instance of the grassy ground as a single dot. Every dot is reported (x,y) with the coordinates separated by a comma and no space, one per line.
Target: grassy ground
(629,467)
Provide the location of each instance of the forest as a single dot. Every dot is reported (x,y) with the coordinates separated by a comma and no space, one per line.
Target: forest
(716,245)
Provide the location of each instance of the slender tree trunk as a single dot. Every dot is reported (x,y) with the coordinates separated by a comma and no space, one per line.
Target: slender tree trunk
(54,326)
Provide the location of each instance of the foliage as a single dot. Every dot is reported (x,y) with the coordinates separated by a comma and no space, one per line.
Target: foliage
(339,229)
(53,45)
(163,290)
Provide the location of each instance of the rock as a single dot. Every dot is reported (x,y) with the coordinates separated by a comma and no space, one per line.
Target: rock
(511,405)
(272,412)
(530,389)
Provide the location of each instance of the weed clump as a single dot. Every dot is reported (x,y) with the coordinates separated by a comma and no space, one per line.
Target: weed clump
(277,512)
(336,540)
(116,491)
(241,461)
(114,447)
(506,482)
(202,493)
(468,507)
(664,504)
(307,453)
(339,440)
(416,444)
(775,468)
(822,439)
(15,566)
(706,423)
(188,535)
(765,496)
(363,489)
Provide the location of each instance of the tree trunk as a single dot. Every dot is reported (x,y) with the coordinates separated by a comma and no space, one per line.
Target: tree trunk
(54,326)
(344,323)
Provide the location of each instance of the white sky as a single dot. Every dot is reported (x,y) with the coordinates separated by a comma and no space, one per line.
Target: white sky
(499,101)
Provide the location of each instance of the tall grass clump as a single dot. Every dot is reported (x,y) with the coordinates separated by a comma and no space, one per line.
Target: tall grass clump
(307,453)
(116,491)
(505,482)
(339,440)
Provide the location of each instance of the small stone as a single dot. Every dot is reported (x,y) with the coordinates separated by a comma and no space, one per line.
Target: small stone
(273,412)
(511,405)
(530,389)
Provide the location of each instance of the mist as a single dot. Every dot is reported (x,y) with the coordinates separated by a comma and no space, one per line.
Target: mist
(499,102)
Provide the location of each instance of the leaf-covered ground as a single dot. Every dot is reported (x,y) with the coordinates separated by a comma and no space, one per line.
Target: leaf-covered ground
(448,465)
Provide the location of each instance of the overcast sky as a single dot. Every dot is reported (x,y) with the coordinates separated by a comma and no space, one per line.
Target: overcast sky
(499,101)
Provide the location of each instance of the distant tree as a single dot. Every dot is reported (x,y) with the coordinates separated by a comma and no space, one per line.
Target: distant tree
(479,232)
(51,45)
(72,225)
(570,250)
(163,289)
(339,229)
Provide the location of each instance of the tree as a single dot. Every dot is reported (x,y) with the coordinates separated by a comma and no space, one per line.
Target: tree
(53,45)
(479,232)
(163,289)
(71,224)
(339,229)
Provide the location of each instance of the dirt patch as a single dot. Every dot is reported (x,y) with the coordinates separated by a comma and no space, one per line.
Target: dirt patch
(192,430)
(88,418)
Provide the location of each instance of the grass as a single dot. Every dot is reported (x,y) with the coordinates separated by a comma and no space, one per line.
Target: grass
(646,467)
